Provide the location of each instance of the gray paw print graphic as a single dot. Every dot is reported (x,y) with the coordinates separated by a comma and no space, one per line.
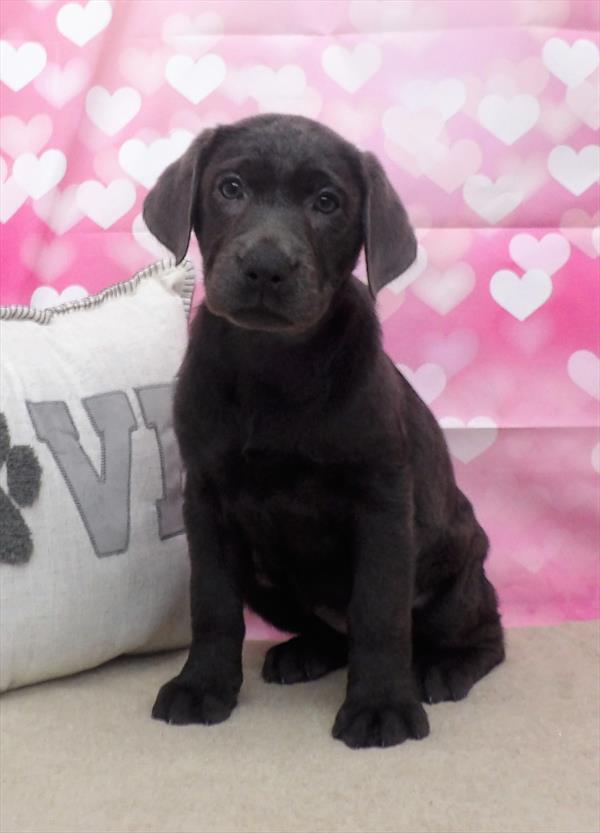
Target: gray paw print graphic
(23,477)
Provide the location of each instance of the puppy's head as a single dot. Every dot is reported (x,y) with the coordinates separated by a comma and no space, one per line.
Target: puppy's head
(281,207)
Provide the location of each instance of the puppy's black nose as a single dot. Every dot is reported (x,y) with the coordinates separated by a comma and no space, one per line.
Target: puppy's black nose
(266,265)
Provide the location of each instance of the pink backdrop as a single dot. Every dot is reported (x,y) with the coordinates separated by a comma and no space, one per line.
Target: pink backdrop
(485,115)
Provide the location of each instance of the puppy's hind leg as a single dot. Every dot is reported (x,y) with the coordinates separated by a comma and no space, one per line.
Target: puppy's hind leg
(457,634)
(315,652)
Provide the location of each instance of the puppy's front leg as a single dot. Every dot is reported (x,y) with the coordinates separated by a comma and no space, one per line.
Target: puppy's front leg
(381,707)
(206,689)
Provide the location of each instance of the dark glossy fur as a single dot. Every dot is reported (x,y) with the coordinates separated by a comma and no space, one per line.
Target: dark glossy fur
(319,490)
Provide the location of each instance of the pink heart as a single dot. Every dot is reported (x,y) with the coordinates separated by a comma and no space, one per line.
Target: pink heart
(145,70)
(403,159)
(442,291)
(538,15)
(558,122)
(412,130)
(58,209)
(446,246)
(18,137)
(429,380)
(528,76)
(127,254)
(47,260)
(58,85)
(196,122)
(452,165)
(578,226)
(355,125)
(529,336)
(388,302)
(452,352)
(193,36)
(584,101)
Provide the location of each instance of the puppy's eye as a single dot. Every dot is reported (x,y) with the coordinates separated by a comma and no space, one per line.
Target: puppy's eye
(231,188)
(326,202)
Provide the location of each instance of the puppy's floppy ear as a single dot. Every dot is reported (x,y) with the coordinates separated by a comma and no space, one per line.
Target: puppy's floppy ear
(390,243)
(169,207)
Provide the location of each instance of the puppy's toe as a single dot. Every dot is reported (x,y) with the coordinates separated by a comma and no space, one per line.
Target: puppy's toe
(446,681)
(180,702)
(361,725)
(302,659)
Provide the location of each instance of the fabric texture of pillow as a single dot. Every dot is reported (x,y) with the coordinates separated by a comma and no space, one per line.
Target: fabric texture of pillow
(93,556)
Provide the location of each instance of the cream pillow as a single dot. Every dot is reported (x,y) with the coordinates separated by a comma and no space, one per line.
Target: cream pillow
(93,556)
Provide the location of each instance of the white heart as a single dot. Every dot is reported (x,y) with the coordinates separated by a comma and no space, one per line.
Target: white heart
(444,290)
(549,254)
(58,85)
(17,136)
(584,369)
(470,440)
(110,113)
(575,171)
(492,200)
(12,197)
(36,175)
(447,96)
(351,69)
(521,296)
(105,204)
(3,170)
(145,163)
(59,210)
(508,119)
(419,265)
(46,296)
(82,23)
(195,80)
(146,239)
(18,67)
(571,63)
(429,380)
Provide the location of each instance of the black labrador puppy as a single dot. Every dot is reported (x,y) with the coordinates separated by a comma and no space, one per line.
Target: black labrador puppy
(319,490)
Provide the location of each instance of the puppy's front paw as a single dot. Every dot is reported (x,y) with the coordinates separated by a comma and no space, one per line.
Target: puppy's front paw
(361,724)
(180,701)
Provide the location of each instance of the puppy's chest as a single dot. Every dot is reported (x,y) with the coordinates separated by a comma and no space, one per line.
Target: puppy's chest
(286,492)
(296,517)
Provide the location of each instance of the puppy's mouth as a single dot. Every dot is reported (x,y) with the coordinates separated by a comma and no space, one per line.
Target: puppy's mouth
(259,317)
(263,319)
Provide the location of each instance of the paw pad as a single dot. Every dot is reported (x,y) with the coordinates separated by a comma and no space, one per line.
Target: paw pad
(23,479)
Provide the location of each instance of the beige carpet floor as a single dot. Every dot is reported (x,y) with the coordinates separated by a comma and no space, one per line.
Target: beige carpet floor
(519,755)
